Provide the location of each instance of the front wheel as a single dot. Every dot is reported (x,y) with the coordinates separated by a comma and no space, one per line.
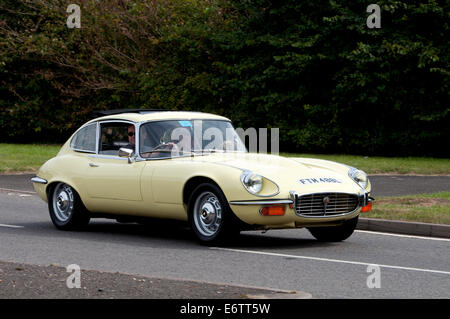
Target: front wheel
(335,233)
(67,211)
(210,217)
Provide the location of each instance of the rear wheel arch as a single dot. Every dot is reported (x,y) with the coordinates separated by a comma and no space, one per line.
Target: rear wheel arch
(66,208)
(51,187)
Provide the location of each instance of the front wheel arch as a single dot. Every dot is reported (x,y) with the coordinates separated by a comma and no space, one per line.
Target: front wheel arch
(192,184)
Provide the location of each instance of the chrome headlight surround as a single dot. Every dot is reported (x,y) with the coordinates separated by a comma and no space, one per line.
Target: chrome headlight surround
(359,177)
(252,182)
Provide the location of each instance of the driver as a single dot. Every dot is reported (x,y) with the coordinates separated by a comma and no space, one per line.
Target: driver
(131,138)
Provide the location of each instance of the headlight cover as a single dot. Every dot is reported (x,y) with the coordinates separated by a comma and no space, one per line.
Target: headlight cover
(359,177)
(252,182)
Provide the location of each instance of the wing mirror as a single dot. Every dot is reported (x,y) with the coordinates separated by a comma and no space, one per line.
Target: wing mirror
(126,152)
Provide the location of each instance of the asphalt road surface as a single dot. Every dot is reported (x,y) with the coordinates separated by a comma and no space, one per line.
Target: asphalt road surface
(399,185)
(395,266)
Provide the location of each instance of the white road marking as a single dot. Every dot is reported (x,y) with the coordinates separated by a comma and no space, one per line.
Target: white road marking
(11,226)
(16,191)
(329,260)
(400,235)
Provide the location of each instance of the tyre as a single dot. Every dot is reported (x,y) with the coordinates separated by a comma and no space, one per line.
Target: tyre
(67,211)
(210,216)
(335,233)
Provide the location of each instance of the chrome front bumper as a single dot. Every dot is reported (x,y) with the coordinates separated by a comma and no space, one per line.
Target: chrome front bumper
(38,180)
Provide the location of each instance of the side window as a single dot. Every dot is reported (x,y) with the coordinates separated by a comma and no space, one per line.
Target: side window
(84,140)
(165,139)
(113,136)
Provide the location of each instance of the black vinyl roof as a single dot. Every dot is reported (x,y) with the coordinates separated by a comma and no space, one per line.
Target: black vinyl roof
(99,113)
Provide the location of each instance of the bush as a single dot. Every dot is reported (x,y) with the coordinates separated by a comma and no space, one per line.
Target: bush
(311,68)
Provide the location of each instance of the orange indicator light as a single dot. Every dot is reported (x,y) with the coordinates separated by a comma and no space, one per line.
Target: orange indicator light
(367,208)
(272,211)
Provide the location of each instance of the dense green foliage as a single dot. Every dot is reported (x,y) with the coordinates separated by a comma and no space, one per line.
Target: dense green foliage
(311,68)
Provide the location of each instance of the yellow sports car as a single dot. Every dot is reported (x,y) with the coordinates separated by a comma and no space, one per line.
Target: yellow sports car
(134,164)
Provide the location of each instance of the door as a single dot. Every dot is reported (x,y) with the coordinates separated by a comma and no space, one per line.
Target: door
(108,175)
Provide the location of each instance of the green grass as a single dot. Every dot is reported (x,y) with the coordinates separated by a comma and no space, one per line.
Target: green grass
(388,165)
(25,158)
(425,208)
(28,158)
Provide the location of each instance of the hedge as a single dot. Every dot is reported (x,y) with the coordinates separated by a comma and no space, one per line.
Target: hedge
(311,68)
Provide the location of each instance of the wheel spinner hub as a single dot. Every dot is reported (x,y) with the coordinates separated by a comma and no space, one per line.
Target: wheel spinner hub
(63,202)
(207,214)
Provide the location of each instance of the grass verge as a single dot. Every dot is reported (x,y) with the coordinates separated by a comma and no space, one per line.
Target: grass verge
(29,157)
(425,208)
(25,158)
(388,165)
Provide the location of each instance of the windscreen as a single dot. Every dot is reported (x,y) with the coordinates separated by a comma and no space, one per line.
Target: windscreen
(181,137)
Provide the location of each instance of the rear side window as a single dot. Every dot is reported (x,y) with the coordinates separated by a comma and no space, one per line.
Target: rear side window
(114,135)
(84,139)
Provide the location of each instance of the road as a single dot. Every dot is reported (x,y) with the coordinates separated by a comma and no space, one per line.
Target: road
(410,267)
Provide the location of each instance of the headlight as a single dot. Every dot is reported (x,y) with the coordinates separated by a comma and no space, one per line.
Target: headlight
(252,182)
(359,177)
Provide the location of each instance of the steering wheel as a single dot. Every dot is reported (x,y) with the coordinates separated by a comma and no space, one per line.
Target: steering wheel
(166,146)
(228,146)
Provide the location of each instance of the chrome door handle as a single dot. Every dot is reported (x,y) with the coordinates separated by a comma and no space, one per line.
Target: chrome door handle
(93,165)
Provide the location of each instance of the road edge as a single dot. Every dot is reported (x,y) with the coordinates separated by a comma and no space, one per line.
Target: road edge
(405,228)
(19,280)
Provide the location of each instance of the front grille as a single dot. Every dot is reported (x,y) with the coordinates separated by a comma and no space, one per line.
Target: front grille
(325,204)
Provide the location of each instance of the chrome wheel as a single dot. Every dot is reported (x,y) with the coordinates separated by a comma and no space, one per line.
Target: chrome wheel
(207,214)
(63,202)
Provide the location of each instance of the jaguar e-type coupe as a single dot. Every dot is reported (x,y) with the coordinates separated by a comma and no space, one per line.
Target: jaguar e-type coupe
(194,167)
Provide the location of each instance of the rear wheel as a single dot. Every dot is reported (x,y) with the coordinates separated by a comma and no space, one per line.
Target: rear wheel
(335,233)
(210,216)
(67,212)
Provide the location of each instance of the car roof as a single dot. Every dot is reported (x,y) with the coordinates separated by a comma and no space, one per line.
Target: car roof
(160,116)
